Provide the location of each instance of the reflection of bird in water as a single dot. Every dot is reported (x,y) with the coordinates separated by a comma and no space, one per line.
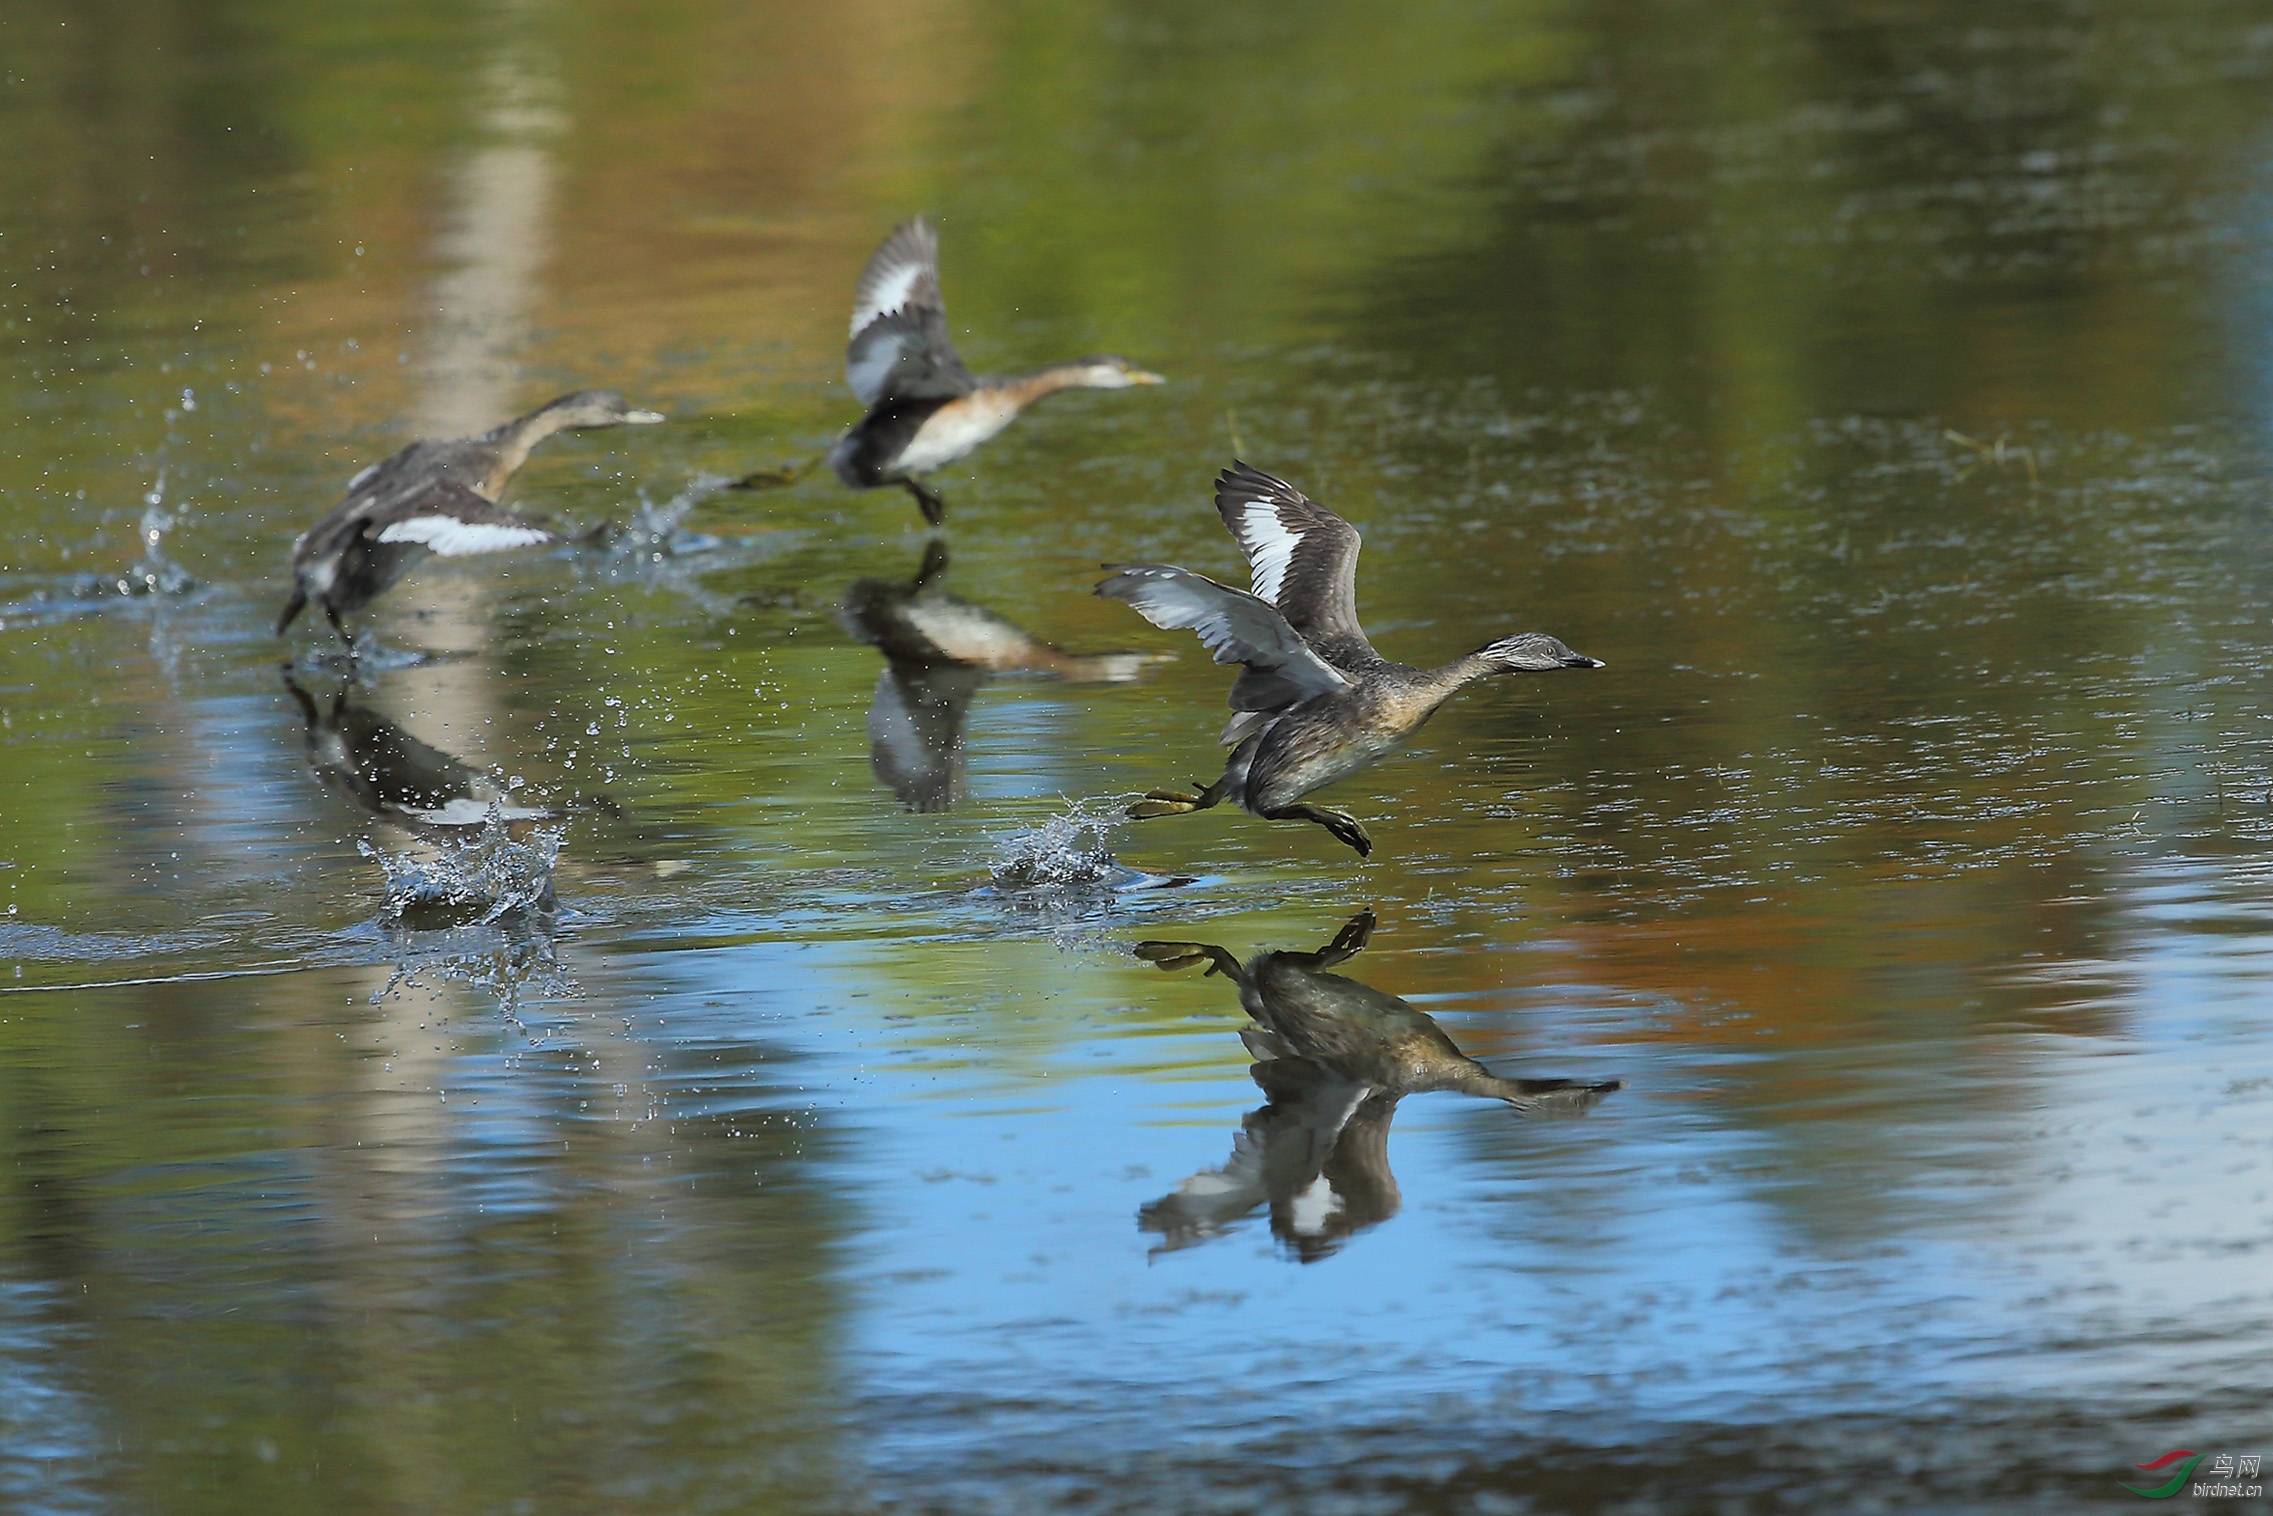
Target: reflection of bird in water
(1334,1057)
(938,650)
(925,410)
(432,497)
(1315,702)
(368,759)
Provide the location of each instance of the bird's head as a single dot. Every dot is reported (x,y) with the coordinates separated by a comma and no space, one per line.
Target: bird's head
(587,409)
(1111,372)
(1533,652)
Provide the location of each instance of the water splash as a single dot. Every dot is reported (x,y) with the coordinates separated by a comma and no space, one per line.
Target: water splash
(154,573)
(1072,855)
(513,966)
(1068,852)
(482,878)
(652,534)
(369,659)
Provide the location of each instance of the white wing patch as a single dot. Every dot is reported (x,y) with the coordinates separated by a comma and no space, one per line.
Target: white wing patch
(453,538)
(1270,547)
(362,478)
(889,294)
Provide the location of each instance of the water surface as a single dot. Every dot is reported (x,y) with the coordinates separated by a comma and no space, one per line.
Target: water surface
(1880,389)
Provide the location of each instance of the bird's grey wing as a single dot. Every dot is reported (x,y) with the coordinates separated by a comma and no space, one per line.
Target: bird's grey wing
(377,480)
(1303,556)
(450,519)
(422,465)
(899,348)
(378,493)
(1281,669)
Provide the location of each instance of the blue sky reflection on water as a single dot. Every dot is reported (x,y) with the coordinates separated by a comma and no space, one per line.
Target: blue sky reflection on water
(1637,1263)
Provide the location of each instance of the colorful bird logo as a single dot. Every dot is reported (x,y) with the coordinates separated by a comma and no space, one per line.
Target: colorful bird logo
(2177,1480)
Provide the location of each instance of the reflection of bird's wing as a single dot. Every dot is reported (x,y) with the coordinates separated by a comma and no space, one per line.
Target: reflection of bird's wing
(1211,1200)
(1358,1173)
(389,772)
(1277,1156)
(915,732)
(1281,669)
(447,518)
(1303,557)
(900,349)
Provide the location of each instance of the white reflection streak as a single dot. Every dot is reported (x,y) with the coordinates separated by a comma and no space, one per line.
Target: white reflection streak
(492,245)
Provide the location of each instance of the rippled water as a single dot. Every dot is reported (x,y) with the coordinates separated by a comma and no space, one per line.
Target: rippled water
(640,1039)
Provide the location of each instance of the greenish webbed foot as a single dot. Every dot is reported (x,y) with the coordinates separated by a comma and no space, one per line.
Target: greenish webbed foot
(1341,823)
(776,478)
(1346,827)
(1169,803)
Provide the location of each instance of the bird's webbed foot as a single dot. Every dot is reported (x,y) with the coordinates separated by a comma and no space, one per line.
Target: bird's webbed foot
(1171,803)
(777,478)
(927,500)
(1341,823)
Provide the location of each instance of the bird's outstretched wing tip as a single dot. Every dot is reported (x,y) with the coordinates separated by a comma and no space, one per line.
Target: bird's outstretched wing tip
(1244,477)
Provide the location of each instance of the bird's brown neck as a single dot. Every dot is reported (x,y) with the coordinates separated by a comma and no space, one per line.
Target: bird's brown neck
(1022,390)
(511,444)
(1417,700)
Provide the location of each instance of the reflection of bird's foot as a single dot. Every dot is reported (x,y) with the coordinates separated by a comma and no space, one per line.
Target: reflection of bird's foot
(1175,956)
(1352,938)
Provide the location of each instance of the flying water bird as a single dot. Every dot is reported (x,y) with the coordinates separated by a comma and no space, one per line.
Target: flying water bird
(925,409)
(1334,1057)
(1315,702)
(433,497)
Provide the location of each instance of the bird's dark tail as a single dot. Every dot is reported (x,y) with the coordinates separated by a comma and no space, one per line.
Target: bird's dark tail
(298,603)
